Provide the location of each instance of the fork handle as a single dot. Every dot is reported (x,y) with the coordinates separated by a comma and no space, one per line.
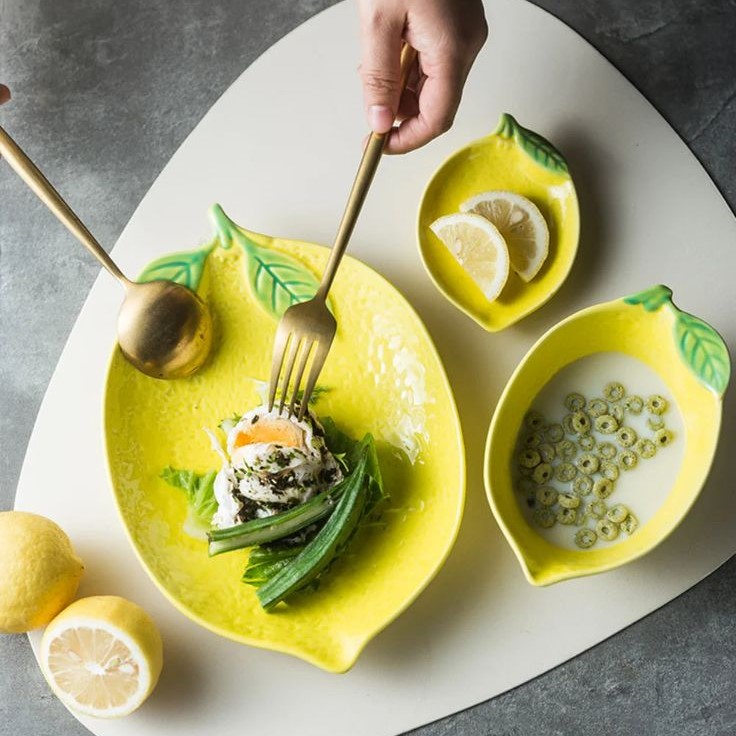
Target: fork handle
(363,178)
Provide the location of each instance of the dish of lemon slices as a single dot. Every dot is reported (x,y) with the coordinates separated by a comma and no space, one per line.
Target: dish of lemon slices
(499,224)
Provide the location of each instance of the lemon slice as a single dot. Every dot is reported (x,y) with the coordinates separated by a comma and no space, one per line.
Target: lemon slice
(522,225)
(478,247)
(102,656)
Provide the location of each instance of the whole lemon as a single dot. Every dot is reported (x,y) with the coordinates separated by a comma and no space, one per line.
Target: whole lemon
(39,571)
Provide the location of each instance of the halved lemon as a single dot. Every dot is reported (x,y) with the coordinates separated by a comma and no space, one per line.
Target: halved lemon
(102,656)
(478,247)
(521,224)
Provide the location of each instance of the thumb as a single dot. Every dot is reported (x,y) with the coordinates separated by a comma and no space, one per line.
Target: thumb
(379,70)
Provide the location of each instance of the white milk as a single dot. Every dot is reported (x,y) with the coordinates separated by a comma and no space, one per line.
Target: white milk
(642,489)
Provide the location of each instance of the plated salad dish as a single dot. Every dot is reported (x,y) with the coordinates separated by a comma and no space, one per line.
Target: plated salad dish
(292,491)
(302,537)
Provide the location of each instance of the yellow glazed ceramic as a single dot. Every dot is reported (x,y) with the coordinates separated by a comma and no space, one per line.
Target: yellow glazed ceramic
(515,159)
(383,376)
(691,359)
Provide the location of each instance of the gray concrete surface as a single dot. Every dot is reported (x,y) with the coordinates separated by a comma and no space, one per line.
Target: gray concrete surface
(104,93)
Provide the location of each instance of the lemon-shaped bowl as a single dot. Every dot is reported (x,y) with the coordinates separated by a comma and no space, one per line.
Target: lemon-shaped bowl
(515,159)
(688,356)
(382,376)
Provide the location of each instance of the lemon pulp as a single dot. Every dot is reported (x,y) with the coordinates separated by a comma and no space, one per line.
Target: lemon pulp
(102,656)
(478,247)
(521,224)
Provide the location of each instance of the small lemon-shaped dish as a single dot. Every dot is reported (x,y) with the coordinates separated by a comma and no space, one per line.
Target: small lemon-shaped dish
(691,360)
(513,159)
(382,376)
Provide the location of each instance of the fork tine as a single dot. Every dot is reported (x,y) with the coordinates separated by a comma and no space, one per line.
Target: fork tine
(280,344)
(320,354)
(308,345)
(293,350)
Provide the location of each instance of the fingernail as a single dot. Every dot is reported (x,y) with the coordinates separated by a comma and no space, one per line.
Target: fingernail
(380,118)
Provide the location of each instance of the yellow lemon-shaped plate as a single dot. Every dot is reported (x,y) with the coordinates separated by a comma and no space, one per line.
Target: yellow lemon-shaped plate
(686,354)
(515,159)
(382,376)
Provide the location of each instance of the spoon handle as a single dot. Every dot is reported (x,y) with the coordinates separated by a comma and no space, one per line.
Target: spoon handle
(27,170)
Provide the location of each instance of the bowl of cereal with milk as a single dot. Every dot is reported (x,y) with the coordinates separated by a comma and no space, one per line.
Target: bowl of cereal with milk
(604,435)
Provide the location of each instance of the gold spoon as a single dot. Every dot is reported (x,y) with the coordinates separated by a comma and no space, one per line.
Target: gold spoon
(164,328)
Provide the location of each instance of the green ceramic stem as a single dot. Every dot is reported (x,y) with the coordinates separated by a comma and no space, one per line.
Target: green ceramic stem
(506,125)
(223,225)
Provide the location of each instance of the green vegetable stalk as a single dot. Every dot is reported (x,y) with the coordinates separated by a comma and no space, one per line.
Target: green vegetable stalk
(278,526)
(328,542)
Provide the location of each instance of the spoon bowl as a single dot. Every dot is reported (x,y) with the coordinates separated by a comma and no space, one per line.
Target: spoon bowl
(164,329)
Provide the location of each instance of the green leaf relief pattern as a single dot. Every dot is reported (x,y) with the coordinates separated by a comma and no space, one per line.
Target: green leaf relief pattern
(533,144)
(699,345)
(185,268)
(277,280)
(703,349)
(651,299)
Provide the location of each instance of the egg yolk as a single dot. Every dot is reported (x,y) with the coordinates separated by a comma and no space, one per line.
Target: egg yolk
(271,431)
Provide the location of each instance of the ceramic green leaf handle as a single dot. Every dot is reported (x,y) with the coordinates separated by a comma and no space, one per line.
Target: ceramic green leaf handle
(700,346)
(533,144)
(185,268)
(277,280)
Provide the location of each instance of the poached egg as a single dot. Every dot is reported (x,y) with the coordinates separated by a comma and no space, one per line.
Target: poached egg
(271,462)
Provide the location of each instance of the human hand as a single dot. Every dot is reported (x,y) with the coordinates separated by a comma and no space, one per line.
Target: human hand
(447,34)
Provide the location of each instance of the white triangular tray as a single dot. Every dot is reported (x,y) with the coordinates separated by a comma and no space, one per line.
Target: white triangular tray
(279,151)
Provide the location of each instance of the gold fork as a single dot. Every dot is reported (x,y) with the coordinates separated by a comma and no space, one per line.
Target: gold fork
(310,327)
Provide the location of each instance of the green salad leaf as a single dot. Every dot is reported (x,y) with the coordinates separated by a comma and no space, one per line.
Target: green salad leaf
(337,441)
(199,490)
(348,450)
